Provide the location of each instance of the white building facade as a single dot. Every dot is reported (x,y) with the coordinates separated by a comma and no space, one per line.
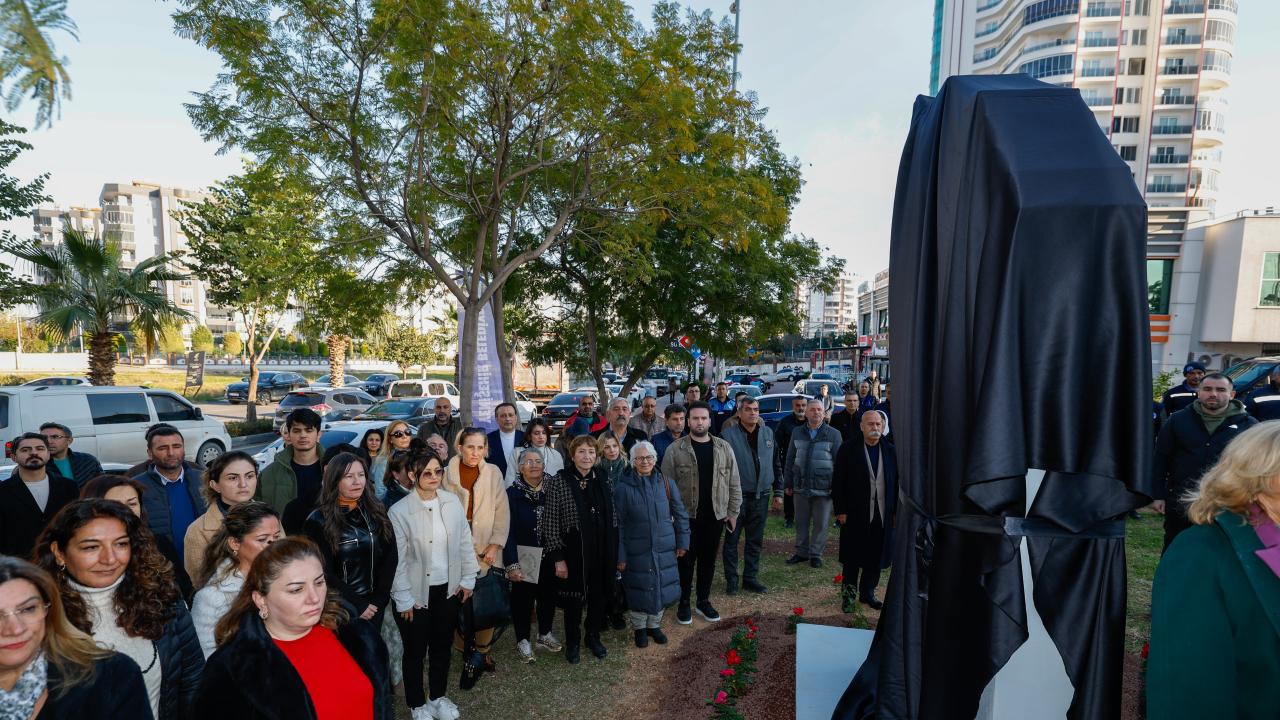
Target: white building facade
(1154,72)
(828,313)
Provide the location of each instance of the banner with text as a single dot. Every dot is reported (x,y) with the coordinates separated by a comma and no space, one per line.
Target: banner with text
(486,390)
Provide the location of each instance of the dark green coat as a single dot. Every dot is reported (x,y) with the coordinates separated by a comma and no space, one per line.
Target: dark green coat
(1215,627)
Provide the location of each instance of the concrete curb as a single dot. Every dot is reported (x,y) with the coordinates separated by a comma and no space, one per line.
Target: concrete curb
(246,440)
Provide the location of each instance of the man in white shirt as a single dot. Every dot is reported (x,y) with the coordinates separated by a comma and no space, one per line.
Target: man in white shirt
(30,497)
(505,439)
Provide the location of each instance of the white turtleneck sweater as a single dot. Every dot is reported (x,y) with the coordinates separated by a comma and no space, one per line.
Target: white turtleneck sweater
(108,634)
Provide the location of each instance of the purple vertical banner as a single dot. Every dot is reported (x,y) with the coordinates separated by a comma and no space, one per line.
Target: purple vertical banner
(486,389)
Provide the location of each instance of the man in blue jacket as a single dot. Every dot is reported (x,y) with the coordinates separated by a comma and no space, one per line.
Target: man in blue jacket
(1264,403)
(760,475)
(1182,395)
(722,407)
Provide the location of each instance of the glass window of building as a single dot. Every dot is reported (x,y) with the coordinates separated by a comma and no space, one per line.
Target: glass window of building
(1269,296)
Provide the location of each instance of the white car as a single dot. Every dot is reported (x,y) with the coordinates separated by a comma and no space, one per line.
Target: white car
(635,396)
(350,432)
(424,388)
(6,471)
(56,382)
(525,409)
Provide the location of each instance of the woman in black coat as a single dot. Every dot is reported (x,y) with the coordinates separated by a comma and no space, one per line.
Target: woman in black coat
(580,538)
(81,680)
(126,599)
(251,676)
(351,528)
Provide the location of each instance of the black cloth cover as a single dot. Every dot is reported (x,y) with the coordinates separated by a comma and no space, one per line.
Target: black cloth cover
(1019,340)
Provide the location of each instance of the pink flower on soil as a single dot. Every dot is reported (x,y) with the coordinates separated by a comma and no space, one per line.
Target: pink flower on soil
(722,697)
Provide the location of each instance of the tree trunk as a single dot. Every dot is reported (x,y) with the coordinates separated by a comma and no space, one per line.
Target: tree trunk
(641,367)
(467,358)
(102,358)
(593,352)
(504,352)
(251,394)
(337,358)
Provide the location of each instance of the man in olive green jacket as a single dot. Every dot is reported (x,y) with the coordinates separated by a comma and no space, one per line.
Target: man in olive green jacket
(291,483)
(712,494)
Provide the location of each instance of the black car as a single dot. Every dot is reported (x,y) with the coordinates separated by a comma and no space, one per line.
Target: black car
(377,384)
(413,410)
(271,385)
(1251,374)
(561,407)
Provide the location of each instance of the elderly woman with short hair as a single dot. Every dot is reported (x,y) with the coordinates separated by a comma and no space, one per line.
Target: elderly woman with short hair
(530,586)
(1215,612)
(653,530)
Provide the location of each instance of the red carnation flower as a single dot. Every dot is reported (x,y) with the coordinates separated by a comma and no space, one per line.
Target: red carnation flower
(727,672)
(722,697)
(797,611)
(839,578)
(1146,649)
(732,657)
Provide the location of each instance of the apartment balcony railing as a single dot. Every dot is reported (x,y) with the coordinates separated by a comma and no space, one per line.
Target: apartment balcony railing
(1184,8)
(1228,5)
(1102,42)
(1176,100)
(1099,101)
(1169,159)
(1166,187)
(989,5)
(1179,69)
(1182,39)
(1102,10)
(1171,130)
(1097,72)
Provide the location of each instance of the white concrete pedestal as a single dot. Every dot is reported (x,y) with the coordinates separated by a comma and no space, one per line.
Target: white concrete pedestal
(826,660)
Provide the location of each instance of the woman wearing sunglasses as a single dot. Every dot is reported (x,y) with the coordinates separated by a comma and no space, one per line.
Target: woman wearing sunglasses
(399,435)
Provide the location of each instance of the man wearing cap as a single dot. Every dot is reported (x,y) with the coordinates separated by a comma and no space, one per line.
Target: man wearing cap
(1264,403)
(1181,396)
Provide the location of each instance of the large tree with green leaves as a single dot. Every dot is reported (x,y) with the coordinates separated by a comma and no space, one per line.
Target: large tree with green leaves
(343,306)
(86,286)
(16,199)
(30,66)
(254,243)
(474,133)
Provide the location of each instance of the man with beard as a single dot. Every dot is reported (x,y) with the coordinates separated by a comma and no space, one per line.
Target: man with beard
(72,465)
(173,499)
(674,416)
(1264,403)
(782,434)
(864,494)
(1180,396)
(443,423)
(1190,443)
(31,496)
(619,426)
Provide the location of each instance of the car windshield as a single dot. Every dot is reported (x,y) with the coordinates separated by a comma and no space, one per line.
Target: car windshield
(388,408)
(567,398)
(412,389)
(263,377)
(821,376)
(1246,372)
(656,374)
(303,399)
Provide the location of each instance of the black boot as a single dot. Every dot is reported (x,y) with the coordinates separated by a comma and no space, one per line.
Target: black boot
(642,639)
(572,654)
(658,636)
(596,647)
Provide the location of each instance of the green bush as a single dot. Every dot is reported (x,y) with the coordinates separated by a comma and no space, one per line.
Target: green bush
(202,339)
(240,428)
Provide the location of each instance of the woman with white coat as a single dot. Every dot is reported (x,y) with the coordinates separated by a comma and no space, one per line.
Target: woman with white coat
(435,572)
(246,529)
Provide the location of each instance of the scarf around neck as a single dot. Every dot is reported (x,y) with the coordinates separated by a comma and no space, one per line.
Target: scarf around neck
(1269,535)
(20,702)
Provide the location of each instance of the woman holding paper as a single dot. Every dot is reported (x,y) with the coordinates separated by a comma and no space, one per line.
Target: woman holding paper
(533,580)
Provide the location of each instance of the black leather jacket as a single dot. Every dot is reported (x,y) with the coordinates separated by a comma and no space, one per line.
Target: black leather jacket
(363,565)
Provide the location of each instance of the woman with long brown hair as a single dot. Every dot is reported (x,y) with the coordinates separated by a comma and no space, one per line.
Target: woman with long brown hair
(128,492)
(289,647)
(229,480)
(246,531)
(48,667)
(119,589)
(351,529)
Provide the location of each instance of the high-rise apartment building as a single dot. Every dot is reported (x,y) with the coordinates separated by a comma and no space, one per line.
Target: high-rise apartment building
(139,216)
(829,313)
(1154,72)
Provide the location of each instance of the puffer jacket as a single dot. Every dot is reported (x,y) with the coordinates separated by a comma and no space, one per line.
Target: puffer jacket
(651,527)
(181,664)
(363,565)
(811,464)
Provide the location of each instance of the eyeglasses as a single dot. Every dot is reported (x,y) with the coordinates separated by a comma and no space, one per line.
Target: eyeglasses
(643,458)
(52,436)
(27,614)
(434,473)
(532,461)
(400,433)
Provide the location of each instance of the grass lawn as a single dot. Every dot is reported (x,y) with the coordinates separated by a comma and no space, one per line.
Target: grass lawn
(625,684)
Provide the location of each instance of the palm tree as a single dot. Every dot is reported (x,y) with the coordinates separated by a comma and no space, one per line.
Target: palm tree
(28,60)
(85,285)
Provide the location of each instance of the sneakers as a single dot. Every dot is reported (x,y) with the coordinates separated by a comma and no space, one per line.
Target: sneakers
(422,712)
(683,615)
(642,639)
(754,586)
(525,651)
(707,612)
(815,562)
(796,559)
(658,636)
(550,643)
(442,708)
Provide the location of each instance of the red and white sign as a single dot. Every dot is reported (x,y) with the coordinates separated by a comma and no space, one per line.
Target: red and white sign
(685,341)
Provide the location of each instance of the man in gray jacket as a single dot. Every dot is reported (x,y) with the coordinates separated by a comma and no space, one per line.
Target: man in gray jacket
(760,472)
(807,473)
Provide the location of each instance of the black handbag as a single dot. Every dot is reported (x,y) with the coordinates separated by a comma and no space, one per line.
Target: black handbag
(491,600)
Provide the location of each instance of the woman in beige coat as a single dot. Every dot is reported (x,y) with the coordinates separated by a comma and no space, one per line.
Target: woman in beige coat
(230,480)
(479,486)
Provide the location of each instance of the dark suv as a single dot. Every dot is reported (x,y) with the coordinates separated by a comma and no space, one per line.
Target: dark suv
(271,385)
(1251,374)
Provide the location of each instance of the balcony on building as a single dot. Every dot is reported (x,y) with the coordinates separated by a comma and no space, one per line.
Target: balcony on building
(1184,8)
(1169,159)
(1102,10)
(1168,99)
(1178,69)
(1099,43)
(1171,130)
(1178,38)
(1166,188)
(1096,73)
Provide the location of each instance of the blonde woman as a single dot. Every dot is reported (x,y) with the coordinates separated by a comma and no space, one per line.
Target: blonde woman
(1215,612)
(478,484)
(399,434)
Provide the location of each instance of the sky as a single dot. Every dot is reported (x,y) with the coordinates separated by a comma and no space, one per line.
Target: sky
(838,76)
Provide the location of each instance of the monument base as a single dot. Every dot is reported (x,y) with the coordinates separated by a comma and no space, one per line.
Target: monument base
(826,657)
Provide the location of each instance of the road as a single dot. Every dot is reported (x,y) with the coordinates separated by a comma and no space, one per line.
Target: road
(226,412)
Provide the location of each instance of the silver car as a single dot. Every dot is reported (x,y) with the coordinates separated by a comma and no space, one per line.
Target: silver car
(330,403)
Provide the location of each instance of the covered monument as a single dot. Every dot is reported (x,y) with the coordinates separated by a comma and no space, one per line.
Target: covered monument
(1020,342)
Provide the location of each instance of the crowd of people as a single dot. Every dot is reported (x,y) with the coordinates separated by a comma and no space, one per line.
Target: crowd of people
(313,588)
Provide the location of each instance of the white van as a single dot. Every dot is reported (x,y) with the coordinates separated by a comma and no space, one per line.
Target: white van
(424,388)
(110,422)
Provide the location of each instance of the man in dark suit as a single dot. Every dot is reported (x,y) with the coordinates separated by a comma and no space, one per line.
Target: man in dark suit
(506,438)
(864,494)
(31,496)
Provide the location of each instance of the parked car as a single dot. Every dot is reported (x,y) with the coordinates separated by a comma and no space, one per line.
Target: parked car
(611,377)
(335,433)
(1251,374)
(745,379)
(271,386)
(415,410)
(377,383)
(775,406)
(331,403)
(635,396)
(786,373)
(111,422)
(56,382)
(525,409)
(810,387)
(738,370)
(562,406)
(602,402)
(424,388)
(752,390)
(6,471)
(327,381)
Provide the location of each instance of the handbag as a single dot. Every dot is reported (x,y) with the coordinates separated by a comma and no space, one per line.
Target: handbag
(491,600)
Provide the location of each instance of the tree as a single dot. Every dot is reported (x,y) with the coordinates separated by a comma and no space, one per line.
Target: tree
(253,242)
(472,132)
(232,344)
(171,339)
(28,61)
(87,287)
(406,347)
(16,200)
(202,339)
